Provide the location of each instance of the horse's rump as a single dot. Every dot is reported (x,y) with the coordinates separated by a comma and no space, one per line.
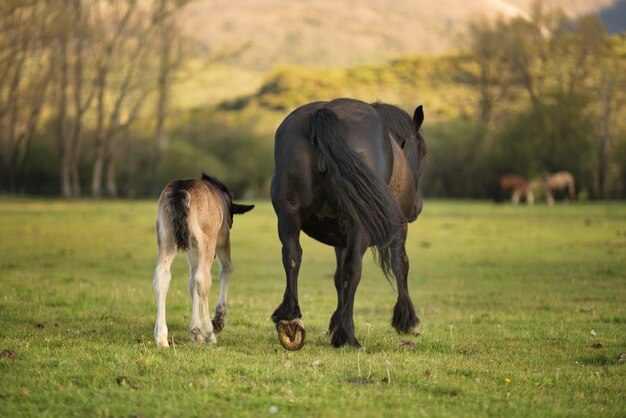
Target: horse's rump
(362,198)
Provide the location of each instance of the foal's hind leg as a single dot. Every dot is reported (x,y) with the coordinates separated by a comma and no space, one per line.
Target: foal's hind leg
(287,316)
(226,271)
(161,283)
(404,318)
(200,327)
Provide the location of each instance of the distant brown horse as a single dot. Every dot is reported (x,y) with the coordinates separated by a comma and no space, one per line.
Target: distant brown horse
(561,182)
(195,216)
(518,187)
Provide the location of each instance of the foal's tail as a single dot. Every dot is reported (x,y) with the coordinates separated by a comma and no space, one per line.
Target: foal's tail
(363,199)
(177,205)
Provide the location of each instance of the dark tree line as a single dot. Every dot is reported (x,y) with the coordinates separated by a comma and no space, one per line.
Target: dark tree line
(89,68)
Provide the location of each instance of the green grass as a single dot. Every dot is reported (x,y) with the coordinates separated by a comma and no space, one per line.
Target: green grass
(508,298)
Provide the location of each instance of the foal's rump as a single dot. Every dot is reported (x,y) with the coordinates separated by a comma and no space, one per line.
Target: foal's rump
(174,202)
(183,211)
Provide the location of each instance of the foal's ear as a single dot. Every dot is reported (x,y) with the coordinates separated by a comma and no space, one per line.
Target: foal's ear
(241,209)
(418,117)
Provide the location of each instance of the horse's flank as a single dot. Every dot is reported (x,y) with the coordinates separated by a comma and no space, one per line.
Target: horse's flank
(558,182)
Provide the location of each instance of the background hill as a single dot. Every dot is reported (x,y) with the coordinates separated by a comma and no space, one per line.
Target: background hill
(203,88)
(260,35)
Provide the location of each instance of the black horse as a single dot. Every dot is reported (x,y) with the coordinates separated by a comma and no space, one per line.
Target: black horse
(346,173)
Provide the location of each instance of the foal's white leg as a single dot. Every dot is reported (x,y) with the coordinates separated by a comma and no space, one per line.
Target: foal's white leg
(161,283)
(201,327)
(226,271)
(194,326)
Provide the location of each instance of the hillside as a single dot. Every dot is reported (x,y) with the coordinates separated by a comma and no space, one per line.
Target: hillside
(260,35)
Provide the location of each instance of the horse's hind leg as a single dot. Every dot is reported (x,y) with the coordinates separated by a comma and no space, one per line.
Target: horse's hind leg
(339,254)
(226,271)
(349,277)
(287,316)
(404,318)
(161,283)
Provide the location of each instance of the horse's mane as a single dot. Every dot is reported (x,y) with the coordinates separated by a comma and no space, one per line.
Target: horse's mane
(214,181)
(399,124)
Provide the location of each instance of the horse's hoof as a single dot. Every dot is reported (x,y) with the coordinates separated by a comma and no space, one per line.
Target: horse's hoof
(162,342)
(414,330)
(218,325)
(291,334)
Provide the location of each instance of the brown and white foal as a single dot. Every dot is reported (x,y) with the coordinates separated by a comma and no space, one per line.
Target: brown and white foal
(195,216)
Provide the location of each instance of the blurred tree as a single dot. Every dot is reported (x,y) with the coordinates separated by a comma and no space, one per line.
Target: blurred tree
(168,34)
(26,65)
(125,33)
(73,43)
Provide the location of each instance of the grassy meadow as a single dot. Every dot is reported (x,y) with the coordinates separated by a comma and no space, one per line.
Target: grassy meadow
(523,313)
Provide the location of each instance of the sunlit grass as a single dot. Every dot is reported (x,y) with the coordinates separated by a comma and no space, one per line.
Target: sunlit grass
(508,297)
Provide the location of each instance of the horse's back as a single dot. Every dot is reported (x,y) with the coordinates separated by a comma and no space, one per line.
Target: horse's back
(561,178)
(512,181)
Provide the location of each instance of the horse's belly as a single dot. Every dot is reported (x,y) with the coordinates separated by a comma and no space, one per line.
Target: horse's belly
(325,230)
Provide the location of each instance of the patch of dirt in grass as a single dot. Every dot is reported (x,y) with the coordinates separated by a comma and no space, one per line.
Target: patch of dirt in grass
(597,345)
(40,325)
(598,360)
(465,352)
(124,381)
(360,381)
(9,355)
(408,345)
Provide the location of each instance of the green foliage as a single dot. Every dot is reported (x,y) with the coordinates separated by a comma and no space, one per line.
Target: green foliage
(184,160)
(458,163)
(237,155)
(561,136)
(508,297)
(286,88)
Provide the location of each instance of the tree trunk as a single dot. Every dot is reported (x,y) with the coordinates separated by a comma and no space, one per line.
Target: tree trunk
(66,189)
(605,134)
(111,177)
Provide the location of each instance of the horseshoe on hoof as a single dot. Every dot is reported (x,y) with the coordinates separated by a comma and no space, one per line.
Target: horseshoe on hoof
(291,334)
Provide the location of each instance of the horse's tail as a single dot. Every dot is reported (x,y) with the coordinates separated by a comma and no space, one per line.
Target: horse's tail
(362,198)
(177,205)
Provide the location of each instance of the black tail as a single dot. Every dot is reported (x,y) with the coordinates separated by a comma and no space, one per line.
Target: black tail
(178,207)
(362,198)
